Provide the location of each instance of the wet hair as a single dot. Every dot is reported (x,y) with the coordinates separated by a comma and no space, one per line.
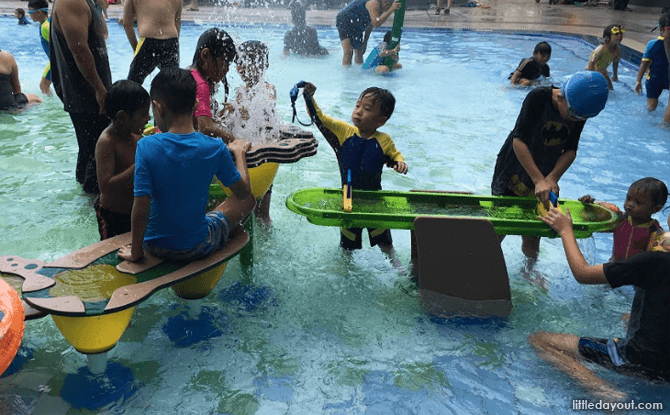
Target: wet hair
(607,32)
(220,45)
(38,4)
(387,37)
(383,97)
(254,53)
(654,188)
(127,96)
(21,12)
(664,20)
(298,14)
(176,88)
(542,48)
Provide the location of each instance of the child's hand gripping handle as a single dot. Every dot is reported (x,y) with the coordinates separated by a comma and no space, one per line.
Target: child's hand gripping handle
(553,200)
(347,196)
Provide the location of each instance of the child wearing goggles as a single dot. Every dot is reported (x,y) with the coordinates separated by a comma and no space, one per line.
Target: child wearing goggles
(607,53)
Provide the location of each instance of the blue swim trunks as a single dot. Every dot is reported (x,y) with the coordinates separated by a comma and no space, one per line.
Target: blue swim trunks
(655,85)
(610,353)
(218,229)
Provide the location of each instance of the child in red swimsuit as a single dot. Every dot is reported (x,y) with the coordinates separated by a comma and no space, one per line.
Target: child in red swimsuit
(637,228)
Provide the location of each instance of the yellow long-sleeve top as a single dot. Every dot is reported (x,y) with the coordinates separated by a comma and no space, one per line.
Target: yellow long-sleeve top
(365,158)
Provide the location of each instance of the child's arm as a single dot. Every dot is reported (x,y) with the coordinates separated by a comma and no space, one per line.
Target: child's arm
(377,18)
(400,167)
(241,188)
(644,66)
(207,126)
(582,271)
(515,77)
(591,65)
(139,220)
(105,159)
(615,66)
(543,185)
(391,52)
(128,20)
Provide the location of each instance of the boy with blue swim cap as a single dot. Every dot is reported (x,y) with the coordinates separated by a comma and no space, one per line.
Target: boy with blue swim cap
(544,141)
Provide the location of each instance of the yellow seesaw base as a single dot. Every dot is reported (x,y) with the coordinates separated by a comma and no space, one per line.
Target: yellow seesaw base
(96,334)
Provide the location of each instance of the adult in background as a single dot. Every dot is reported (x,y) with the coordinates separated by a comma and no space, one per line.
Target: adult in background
(80,74)
(302,39)
(356,21)
(158,24)
(11,97)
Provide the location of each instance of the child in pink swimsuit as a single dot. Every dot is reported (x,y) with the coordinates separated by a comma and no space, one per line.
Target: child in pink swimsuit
(637,228)
(213,55)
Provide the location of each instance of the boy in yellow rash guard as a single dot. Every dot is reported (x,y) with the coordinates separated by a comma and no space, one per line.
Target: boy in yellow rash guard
(363,150)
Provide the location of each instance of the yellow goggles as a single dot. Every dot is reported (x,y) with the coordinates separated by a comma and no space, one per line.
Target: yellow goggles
(617,30)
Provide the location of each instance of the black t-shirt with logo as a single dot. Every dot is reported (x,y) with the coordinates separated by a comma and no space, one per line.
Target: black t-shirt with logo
(542,128)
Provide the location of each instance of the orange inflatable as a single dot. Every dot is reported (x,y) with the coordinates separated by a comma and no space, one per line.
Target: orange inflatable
(11,324)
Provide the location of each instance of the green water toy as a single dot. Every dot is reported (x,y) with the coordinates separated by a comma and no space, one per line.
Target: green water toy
(396,31)
(397,210)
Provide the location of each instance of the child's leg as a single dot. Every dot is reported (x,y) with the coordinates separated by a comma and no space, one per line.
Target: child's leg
(438,7)
(652,103)
(236,209)
(562,351)
(347,52)
(262,210)
(382,69)
(530,246)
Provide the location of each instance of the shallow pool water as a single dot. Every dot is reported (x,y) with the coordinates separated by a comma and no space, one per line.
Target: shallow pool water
(312,330)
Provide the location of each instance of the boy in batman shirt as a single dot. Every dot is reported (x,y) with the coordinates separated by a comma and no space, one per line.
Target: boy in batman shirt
(543,143)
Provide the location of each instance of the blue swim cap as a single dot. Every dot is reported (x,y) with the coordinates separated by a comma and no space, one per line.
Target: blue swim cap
(586,94)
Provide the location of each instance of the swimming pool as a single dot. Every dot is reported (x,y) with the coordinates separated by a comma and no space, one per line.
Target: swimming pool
(311,330)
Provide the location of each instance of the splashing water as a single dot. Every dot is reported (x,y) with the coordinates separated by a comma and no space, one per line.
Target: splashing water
(255,117)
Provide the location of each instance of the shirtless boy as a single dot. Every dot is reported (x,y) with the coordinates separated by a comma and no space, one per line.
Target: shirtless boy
(158,25)
(127,105)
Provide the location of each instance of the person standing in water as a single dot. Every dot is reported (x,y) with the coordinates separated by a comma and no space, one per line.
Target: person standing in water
(302,39)
(158,25)
(81,76)
(355,23)
(253,116)
(543,144)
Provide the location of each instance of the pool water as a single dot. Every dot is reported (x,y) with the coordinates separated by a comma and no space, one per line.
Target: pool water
(312,330)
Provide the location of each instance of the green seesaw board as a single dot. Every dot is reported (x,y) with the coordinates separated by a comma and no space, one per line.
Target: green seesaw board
(397,210)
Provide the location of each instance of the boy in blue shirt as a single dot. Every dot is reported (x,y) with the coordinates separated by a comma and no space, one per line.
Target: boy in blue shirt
(39,12)
(173,171)
(362,150)
(655,65)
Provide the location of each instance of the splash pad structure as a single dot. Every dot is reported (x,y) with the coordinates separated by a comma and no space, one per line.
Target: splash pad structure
(91,294)
(461,267)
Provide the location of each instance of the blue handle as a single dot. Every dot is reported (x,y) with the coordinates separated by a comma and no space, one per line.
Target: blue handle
(553,198)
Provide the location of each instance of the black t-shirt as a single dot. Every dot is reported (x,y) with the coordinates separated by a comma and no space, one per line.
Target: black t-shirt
(304,41)
(542,128)
(530,69)
(647,342)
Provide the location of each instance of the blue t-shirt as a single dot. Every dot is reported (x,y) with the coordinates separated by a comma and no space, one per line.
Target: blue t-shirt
(655,53)
(176,171)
